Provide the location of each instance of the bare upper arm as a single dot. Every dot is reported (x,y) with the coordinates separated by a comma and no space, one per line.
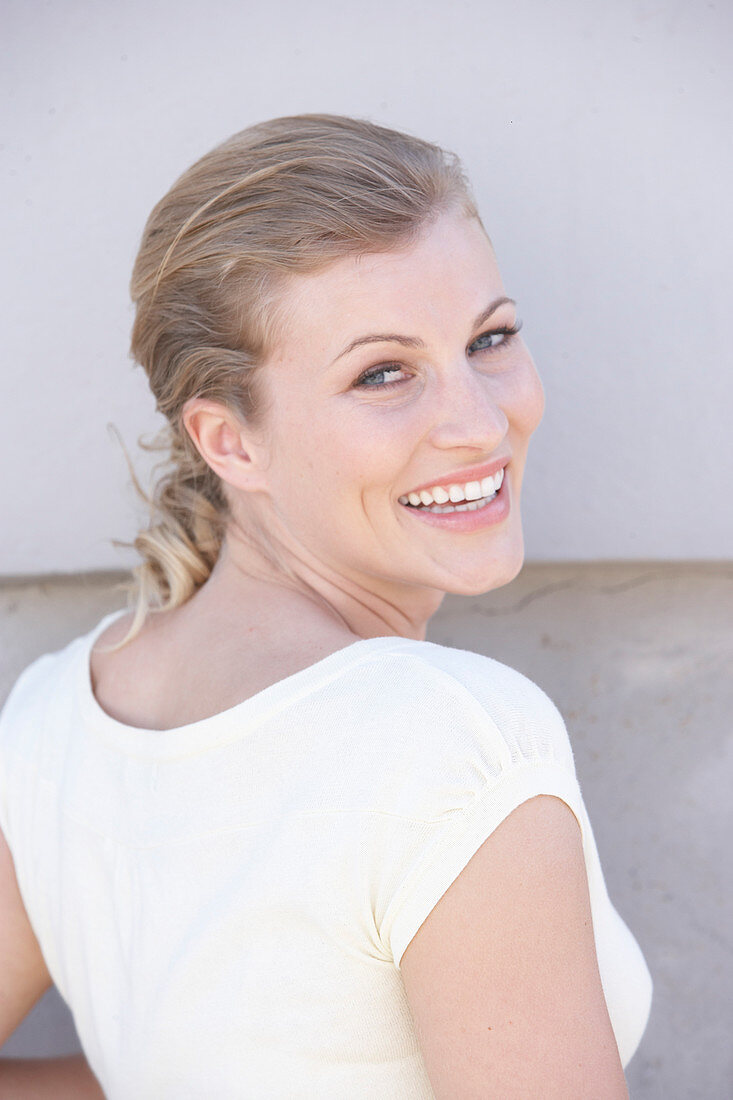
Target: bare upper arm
(24,973)
(502,977)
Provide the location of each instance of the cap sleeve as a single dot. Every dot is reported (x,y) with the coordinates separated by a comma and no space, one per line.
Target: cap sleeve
(470,749)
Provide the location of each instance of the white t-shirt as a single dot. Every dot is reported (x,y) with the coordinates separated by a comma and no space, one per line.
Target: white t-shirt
(224,906)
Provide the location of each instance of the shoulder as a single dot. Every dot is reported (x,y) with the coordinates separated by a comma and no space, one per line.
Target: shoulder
(431,727)
(30,692)
(484,678)
(503,691)
(24,725)
(46,685)
(439,689)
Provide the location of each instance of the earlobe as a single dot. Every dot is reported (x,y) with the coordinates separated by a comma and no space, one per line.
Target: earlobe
(221,439)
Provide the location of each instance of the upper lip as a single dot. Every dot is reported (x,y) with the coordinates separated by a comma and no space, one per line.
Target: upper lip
(461,477)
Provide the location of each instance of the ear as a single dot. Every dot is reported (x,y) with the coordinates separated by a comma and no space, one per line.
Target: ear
(225,443)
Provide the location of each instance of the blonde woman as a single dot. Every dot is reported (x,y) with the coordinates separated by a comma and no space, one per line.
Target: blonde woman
(266,839)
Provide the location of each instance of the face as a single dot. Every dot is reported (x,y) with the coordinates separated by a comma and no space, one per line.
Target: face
(400,405)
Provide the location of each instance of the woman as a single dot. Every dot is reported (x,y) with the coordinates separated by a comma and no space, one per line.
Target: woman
(269,841)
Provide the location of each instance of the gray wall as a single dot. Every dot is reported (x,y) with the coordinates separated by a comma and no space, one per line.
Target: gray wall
(639,658)
(598,139)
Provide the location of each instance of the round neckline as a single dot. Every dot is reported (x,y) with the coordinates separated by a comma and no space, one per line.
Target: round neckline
(226,724)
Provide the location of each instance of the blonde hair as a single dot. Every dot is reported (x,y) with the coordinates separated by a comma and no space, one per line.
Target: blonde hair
(282,197)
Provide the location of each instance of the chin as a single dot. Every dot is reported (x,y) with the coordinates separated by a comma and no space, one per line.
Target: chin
(501,570)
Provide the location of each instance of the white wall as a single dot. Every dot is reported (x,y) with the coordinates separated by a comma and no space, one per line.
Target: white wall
(598,138)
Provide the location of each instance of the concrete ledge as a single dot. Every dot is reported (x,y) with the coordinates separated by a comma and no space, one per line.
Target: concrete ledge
(639,659)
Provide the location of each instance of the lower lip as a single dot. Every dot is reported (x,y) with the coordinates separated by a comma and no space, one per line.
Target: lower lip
(496,511)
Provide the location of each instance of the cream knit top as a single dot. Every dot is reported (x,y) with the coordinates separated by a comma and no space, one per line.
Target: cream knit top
(224,906)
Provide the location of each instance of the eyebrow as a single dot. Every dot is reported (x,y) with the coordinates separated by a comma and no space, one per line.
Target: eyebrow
(413,341)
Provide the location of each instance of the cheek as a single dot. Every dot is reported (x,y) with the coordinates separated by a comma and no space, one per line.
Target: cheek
(299,463)
(368,446)
(333,460)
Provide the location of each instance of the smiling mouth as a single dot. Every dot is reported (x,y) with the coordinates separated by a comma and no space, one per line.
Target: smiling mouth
(468,497)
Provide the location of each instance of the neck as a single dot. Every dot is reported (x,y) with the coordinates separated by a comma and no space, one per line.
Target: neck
(252,566)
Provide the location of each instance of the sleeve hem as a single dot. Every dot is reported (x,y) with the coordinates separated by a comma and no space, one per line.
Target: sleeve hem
(461,838)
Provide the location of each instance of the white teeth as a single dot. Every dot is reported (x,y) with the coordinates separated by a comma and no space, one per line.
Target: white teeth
(471,492)
(467,506)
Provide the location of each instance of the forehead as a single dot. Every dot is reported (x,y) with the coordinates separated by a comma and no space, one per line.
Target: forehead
(444,277)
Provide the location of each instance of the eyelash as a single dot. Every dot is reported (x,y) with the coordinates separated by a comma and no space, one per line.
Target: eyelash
(507,331)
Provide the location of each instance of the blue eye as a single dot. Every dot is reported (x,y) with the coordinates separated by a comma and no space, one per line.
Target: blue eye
(374,378)
(497,337)
(377,378)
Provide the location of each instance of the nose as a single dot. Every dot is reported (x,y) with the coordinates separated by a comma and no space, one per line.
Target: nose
(468,410)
